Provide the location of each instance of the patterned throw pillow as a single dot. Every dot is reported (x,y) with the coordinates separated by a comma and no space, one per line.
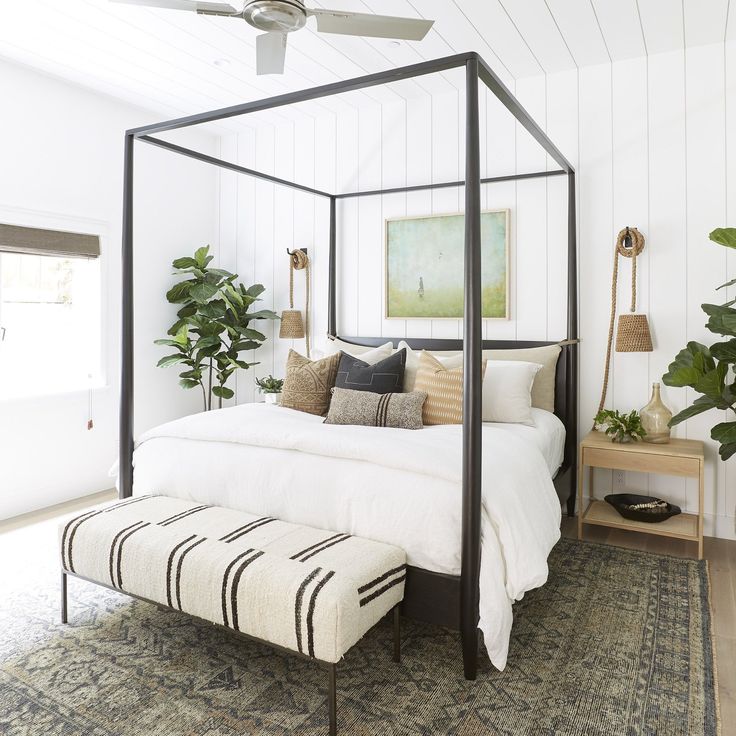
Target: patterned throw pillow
(368,409)
(444,388)
(384,377)
(308,383)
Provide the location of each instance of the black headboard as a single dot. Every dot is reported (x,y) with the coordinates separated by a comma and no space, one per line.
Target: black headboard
(565,393)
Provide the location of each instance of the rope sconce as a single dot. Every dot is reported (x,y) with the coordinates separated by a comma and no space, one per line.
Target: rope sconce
(632,334)
(293,327)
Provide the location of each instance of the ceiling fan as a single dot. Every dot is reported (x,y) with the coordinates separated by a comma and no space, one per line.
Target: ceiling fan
(278,18)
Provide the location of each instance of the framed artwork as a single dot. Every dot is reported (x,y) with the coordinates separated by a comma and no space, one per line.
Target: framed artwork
(424,266)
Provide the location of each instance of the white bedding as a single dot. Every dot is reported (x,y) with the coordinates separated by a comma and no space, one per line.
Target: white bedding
(398,486)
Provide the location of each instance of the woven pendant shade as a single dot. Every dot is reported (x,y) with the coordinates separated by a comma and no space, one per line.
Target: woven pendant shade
(292,324)
(632,335)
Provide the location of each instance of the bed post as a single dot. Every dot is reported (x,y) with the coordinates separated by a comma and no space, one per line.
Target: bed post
(126,374)
(331,283)
(472,385)
(572,335)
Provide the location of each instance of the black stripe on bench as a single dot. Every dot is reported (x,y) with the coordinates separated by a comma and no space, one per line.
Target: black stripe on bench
(324,544)
(310,613)
(170,565)
(380,579)
(381,591)
(246,529)
(113,546)
(225,579)
(184,553)
(143,525)
(181,515)
(298,605)
(236,583)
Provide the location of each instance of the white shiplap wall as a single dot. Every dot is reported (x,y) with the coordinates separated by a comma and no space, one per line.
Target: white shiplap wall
(654,144)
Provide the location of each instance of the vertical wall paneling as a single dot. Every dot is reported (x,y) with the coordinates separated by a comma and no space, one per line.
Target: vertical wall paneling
(706,261)
(666,238)
(596,247)
(630,206)
(531,217)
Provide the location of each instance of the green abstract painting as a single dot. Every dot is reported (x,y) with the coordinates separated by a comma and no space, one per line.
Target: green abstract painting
(424,266)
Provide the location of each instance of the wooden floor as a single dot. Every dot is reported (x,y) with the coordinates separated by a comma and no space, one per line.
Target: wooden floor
(720,553)
(721,556)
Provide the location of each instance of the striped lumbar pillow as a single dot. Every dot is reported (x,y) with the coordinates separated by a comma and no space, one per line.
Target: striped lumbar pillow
(444,389)
(369,409)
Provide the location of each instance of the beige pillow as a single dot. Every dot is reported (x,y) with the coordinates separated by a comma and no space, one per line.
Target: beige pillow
(366,354)
(308,383)
(444,389)
(543,388)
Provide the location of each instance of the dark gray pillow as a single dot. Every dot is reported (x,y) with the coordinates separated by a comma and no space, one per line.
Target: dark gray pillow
(369,409)
(384,377)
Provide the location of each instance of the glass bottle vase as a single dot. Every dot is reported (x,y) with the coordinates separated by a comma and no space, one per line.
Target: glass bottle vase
(655,417)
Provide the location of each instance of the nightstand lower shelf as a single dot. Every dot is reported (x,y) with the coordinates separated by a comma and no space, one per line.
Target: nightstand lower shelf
(682,526)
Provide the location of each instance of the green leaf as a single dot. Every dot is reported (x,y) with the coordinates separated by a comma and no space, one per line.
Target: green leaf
(179,293)
(168,360)
(262,314)
(195,373)
(725,433)
(725,451)
(233,294)
(701,404)
(223,392)
(200,256)
(185,262)
(722,319)
(182,336)
(255,291)
(689,365)
(713,382)
(188,383)
(202,292)
(252,334)
(171,343)
(207,342)
(728,283)
(214,309)
(189,310)
(724,236)
(725,351)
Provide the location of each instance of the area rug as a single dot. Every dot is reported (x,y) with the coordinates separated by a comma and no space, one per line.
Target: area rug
(617,643)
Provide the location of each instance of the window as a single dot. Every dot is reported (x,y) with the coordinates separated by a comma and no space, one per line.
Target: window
(50,328)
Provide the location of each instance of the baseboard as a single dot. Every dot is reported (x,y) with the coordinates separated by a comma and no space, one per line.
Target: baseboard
(50,512)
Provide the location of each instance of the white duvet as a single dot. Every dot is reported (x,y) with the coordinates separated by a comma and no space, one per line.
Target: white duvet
(397,486)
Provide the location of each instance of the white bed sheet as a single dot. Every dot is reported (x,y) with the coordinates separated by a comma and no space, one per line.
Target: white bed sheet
(396,486)
(547,434)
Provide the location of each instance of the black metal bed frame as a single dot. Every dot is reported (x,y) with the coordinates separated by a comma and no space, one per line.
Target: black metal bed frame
(434,597)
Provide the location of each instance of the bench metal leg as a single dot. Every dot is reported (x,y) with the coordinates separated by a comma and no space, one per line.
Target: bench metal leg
(332,699)
(63,598)
(397,634)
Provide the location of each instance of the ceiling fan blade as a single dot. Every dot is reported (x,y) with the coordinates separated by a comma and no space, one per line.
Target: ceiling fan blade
(368,24)
(192,5)
(270,53)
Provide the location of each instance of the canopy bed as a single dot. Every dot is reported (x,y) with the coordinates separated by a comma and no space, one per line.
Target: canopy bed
(448,599)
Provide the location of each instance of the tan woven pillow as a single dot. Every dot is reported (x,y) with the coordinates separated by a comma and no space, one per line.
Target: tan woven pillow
(308,383)
(444,389)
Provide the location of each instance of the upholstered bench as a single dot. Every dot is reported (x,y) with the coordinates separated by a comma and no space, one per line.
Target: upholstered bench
(310,591)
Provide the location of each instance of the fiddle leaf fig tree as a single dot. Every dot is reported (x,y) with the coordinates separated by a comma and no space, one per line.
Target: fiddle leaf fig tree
(710,370)
(213,326)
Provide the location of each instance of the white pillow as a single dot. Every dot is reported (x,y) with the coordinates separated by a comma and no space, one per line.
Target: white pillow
(412,364)
(507,391)
(366,354)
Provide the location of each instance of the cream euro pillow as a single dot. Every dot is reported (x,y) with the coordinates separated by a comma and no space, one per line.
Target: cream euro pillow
(454,360)
(507,391)
(366,354)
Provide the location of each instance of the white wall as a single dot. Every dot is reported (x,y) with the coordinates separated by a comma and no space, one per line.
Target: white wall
(655,147)
(61,149)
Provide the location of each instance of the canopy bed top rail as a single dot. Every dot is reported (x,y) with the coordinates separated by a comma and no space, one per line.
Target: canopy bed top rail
(476,70)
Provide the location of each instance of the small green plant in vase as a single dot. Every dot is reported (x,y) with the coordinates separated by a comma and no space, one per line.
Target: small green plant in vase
(620,427)
(271,388)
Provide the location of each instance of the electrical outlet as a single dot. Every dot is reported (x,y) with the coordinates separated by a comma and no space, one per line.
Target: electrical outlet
(619,479)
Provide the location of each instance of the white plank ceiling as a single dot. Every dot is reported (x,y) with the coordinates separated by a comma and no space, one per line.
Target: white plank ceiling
(175,63)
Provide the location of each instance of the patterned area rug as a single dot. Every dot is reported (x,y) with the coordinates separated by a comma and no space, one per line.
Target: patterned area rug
(618,643)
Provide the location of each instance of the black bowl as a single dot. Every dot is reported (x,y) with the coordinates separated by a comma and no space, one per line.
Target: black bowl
(622,501)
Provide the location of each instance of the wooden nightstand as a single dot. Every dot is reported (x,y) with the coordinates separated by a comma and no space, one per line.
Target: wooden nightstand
(683,458)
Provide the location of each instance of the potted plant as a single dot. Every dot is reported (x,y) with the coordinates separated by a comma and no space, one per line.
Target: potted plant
(621,427)
(213,326)
(270,387)
(709,370)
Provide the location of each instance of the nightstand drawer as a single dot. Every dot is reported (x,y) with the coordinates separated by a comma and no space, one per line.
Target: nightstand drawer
(643,462)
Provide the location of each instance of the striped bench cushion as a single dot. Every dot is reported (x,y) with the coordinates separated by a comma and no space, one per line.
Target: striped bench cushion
(310,590)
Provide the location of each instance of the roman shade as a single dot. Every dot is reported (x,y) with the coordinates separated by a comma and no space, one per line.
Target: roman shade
(40,242)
